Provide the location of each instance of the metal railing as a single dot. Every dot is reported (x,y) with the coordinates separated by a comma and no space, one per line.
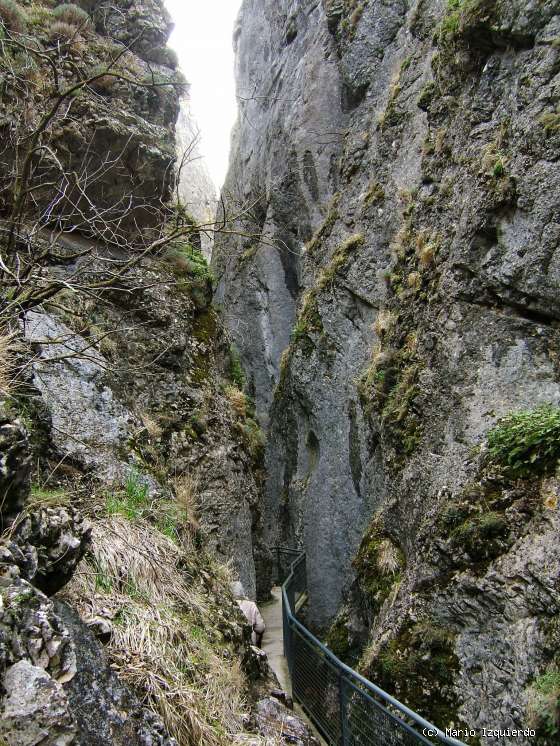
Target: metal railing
(346,708)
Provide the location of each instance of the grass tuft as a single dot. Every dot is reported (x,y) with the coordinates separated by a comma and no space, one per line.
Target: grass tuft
(8,349)
(166,640)
(72,15)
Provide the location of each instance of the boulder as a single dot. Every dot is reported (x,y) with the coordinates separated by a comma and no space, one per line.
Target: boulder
(275,721)
(35,710)
(46,545)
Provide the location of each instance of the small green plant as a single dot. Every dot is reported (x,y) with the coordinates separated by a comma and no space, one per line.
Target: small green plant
(12,17)
(498,169)
(235,368)
(135,488)
(41,497)
(103,582)
(72,15)
(167,524)
(544,704)
(132,500)
(527,442)
(185,259)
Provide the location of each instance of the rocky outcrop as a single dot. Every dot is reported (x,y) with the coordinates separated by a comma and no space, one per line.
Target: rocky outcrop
(105,711)
(422,311)
(56,684)
(35,708)
(46,545)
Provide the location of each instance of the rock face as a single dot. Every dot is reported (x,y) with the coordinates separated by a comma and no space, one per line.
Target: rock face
(106,712)
(36,708)
(282,174)
(402,160)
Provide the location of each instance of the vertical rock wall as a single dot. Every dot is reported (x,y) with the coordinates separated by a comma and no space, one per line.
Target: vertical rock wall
(281,176)
(425,308)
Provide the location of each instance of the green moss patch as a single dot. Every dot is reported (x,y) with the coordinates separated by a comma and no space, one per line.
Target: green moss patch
(339,260)
(419,666)
(325,230)
(483,521)
(308,322)
(389,386)
(379,564)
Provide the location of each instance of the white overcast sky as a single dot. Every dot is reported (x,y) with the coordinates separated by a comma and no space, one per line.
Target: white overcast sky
(203,40)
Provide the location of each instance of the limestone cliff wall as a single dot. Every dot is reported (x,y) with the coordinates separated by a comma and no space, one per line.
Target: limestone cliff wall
(401,159)
(196,188)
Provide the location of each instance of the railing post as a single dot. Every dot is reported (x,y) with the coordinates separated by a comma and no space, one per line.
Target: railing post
(344,735)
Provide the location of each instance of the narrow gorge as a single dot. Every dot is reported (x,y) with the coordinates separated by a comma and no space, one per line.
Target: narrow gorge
(353,351)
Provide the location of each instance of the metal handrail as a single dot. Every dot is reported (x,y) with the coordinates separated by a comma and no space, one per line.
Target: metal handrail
(359,718)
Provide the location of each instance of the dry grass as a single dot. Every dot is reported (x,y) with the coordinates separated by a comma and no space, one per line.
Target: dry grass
(152,426)
(9,346)
(62,31)
(384,322)
(426,255)
(414,280)
(238,400)
(426,248)
(186,490)
(165,641)
(387,558)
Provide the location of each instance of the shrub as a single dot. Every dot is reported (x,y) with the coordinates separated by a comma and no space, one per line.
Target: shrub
(527,442)
(72,15)
(544,704)
(12,16)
